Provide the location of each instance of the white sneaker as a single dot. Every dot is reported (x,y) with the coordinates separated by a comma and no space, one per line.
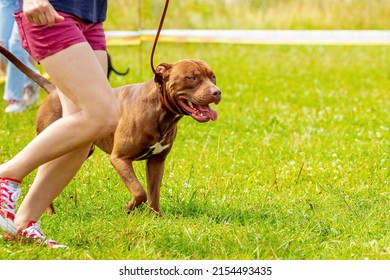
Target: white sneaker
(14,106)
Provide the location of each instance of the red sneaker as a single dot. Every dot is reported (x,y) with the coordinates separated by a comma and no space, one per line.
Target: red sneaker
(34,234)
(9,195)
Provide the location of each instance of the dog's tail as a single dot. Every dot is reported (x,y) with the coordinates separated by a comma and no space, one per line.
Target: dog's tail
(39,79)
(111,68)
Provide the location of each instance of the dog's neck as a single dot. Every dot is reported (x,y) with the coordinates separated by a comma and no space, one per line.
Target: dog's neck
(167,101)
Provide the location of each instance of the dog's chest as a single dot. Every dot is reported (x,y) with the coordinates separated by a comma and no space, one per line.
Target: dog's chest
(155,149)
(163,142)
(158,148)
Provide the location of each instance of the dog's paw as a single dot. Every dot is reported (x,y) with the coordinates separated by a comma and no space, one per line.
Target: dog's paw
(132,204)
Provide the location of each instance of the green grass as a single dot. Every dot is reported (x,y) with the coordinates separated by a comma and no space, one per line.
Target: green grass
(296,166)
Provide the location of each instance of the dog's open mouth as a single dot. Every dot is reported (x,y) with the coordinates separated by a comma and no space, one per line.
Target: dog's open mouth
(201,113)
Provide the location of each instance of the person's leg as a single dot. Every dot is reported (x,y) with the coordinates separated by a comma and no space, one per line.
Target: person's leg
(14,85)
(31,89)
(6,21)
(3,65)
(53,176)
(78,74)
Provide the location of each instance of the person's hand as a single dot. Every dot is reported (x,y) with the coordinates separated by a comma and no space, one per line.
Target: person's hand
(41,12)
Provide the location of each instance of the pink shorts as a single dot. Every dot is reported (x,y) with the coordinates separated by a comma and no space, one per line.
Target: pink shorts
(42,41)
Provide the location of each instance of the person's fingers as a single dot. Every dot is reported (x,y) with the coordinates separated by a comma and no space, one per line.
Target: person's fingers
(58,17)
(43,14)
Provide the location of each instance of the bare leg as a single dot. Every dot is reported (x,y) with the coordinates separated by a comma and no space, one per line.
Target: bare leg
(49,181)
(48,184)
(82,80)
(52,177)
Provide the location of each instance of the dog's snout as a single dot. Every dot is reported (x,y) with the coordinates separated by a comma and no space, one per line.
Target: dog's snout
(216,93)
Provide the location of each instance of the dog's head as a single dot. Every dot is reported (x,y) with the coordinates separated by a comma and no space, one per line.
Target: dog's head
(189,86)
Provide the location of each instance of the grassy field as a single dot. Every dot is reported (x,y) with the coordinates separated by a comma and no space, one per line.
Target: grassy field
(296,166)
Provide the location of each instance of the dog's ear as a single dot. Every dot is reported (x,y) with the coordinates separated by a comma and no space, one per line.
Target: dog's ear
(163,67)
(160,70)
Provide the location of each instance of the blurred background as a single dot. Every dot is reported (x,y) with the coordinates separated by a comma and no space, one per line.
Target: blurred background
(251,14)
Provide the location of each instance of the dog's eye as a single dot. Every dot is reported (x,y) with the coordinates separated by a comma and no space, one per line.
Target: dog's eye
(192,78)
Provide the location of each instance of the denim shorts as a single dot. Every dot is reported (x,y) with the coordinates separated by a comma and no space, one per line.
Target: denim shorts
(42,41)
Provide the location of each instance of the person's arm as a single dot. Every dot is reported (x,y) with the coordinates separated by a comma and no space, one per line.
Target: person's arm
(41,12)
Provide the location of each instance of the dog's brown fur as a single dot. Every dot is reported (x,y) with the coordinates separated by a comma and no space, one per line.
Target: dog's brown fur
(147,128)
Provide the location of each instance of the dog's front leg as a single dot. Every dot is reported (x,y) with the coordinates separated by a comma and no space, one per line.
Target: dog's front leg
(124,167)
(154,175)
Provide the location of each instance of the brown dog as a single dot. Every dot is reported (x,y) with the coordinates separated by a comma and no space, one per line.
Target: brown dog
(147,128)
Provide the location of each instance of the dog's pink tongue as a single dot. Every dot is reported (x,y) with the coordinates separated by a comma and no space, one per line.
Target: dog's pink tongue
(208,112)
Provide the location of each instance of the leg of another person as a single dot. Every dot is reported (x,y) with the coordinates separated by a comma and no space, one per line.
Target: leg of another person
(14,85)
(6,22)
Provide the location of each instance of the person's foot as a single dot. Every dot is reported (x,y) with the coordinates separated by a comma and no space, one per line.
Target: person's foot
(15,106)
(9,195)
(32,233)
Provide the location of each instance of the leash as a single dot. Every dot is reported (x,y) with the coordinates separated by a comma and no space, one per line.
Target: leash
(158,79)
(39,79)
(158,35)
